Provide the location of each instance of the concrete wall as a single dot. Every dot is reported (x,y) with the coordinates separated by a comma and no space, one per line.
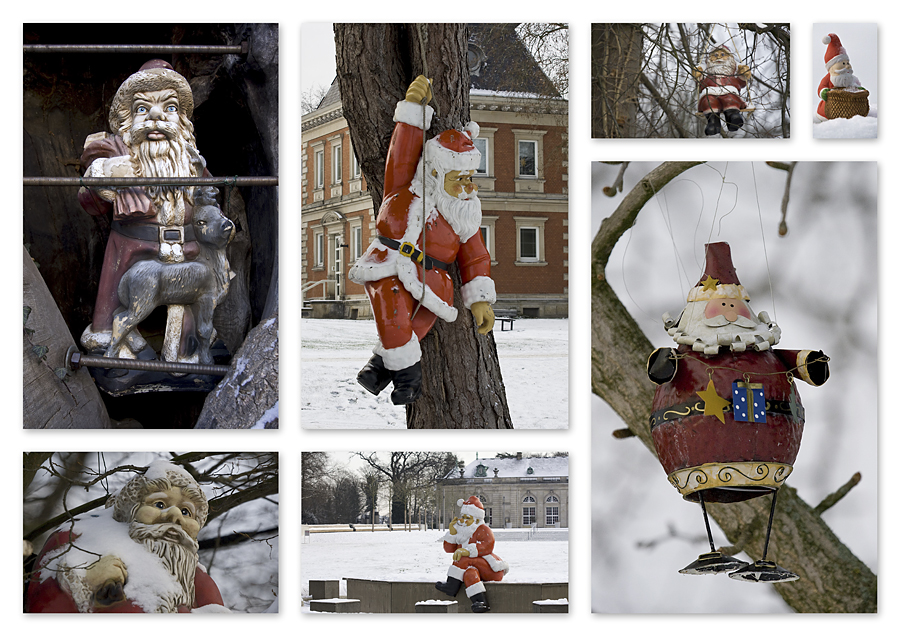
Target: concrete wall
(400,597)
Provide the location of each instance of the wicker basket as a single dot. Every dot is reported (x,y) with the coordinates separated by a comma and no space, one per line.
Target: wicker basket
(846,104)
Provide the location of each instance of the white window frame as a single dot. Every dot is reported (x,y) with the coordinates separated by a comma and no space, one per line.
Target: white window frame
(529,515)
(536,257)
(551,515)
(356,241)
(319,243)
(319,168)
(536,223)
(535,148)
(485,155)
(355,170)
(337,164)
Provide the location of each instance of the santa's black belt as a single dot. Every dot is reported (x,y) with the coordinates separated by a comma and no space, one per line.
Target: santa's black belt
(696,407)
(409,250)
(155,233)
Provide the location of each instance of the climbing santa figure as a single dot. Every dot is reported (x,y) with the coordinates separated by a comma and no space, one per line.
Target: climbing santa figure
(471,541)
(430,218)
(840,85)
(726,417)
(720,84)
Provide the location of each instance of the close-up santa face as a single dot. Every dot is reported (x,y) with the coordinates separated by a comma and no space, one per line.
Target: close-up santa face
(457,182)
(169,506)
(155,106)
(728,308)
(842,67)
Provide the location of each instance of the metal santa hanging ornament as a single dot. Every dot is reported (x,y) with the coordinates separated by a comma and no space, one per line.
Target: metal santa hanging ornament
(726,417)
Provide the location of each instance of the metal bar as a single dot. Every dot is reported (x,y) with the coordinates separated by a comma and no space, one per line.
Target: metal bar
(76,360)
(211,49)
(96,182)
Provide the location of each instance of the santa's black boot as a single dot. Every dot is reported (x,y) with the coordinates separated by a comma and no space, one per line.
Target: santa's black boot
(734,119)
(374,376)
(479,603)
(450,587)
(407,384)
(713,125)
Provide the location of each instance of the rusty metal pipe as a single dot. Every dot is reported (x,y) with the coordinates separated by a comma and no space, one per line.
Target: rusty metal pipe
(96,182)
(211,49)
(76,360)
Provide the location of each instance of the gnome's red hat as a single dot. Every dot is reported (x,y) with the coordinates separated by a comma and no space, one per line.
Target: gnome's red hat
(471,506)
(719,276)
(835,52)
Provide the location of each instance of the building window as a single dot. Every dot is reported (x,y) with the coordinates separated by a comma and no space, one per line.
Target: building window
(320,249)
(489,516)
(481,144)
(356,233)
(552,515)
(488,235)
(336,164)
(528,158)
(354,166)
(528,516)
(320,169)
(529,244)
(528,499)
(530,240)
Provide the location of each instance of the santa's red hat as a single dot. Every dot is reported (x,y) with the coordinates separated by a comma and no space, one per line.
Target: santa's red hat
(719,276)
(454,150)
(835,52)
(471,506)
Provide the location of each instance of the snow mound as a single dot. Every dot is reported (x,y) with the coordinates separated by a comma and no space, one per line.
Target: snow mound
(856,128)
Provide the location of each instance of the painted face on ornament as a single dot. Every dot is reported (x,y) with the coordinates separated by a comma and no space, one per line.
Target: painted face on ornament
(155,114)
(719,55)
(169,506)
(842,67)
(720,311)
(458,184)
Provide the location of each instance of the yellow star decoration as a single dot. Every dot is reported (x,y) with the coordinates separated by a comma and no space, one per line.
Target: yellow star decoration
(710,283)
(713,403)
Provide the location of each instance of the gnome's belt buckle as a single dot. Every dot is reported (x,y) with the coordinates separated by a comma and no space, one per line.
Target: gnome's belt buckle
(171,234)
(409,250)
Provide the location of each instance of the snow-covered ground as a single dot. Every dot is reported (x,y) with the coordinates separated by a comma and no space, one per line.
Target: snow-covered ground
(856,128)
(419,556)
(535,354)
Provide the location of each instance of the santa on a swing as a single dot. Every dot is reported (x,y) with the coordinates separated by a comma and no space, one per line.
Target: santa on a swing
(720,84)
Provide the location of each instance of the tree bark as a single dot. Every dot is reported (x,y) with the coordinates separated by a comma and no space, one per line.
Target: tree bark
(832,579)
(375,65)
(616,59)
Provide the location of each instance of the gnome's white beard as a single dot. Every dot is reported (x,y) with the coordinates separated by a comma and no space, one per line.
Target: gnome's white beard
(177,551)
(707,334)
(725,67)
(844,78)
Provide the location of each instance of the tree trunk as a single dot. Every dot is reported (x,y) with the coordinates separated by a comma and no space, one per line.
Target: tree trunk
(832,579)
(616,54)
(375,65)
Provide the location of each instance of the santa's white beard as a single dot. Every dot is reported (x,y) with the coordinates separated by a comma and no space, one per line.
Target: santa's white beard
(463,215)
(702,334)
(168,157)
(844,78)
(724,67)
(463,532)
(177,551)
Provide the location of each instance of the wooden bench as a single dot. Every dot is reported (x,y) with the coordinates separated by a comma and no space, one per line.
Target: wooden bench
(505,317)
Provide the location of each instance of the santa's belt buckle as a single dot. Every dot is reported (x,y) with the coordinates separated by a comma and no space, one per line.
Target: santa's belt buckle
(408,250)
(171,234)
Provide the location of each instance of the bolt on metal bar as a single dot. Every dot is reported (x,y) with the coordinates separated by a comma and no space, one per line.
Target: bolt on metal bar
(77,360)
(96,182)
(212,49)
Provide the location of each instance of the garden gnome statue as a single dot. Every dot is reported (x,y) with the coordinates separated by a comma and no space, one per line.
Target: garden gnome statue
(152,136)
(138,555)
(720,85)
(471,541)
(430,217)
(840,78)
(726,417)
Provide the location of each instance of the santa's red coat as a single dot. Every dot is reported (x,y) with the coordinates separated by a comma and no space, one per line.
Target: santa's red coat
(721,92)
(49,597)
(486,561)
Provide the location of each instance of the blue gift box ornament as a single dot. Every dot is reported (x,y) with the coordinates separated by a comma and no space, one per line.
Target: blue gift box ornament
(749,402)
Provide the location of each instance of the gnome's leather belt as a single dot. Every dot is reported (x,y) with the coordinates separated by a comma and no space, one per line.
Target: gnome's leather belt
(155,233)
(695,407)
(408,250)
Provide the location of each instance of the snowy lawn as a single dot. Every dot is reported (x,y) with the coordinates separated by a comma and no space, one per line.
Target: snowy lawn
(535,354)
(856,128)
(419,556)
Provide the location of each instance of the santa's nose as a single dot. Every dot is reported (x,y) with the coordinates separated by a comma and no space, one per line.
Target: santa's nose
(156,112)
(470,188)
(172,515)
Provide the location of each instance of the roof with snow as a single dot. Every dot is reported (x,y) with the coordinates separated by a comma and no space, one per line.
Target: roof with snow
(539,467)
(499,64)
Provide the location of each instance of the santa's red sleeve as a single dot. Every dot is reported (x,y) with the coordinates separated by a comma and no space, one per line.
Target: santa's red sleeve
(806,364)
(475,271)
(406,145)
(206,592)
(450,547)
(825,83)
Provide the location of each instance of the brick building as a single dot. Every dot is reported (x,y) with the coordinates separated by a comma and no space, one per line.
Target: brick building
(522,184)
(515,492)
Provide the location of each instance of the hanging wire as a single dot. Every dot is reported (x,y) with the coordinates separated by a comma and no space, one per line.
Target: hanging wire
(763,235)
